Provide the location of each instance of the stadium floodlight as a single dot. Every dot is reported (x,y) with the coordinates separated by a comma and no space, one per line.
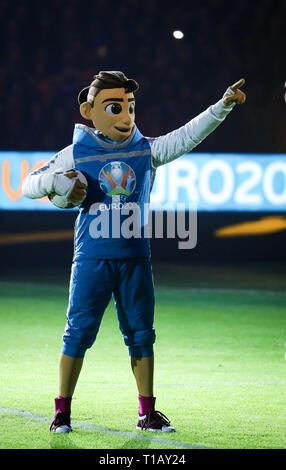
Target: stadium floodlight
(178,34)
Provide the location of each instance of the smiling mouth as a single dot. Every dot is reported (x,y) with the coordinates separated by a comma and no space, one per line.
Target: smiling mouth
(122,129)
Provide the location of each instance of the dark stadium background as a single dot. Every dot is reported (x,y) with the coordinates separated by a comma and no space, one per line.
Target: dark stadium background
(50,50)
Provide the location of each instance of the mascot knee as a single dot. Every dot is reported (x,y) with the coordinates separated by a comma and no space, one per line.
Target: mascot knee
(140,344)
(77,346)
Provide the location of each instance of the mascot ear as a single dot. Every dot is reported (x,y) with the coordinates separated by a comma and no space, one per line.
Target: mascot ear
(85,109)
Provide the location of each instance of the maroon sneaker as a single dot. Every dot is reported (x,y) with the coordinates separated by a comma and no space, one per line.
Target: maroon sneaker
(154,421)
(61,423)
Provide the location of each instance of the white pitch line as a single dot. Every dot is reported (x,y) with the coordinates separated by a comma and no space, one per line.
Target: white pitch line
(222,290)
(218,384)
(219,290)
(190,384)
(130,435)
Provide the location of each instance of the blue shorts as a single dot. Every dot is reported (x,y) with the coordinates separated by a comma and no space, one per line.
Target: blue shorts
(92,284)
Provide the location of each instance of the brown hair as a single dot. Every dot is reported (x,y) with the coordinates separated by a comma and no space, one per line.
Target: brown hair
(106,80)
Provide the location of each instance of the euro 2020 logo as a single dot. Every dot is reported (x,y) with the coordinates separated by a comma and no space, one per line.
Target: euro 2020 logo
(117,179)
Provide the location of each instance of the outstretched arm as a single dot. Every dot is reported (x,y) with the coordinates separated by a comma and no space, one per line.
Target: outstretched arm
(168,147)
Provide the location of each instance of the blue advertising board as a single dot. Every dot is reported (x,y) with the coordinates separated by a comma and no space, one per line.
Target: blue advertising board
(214,181)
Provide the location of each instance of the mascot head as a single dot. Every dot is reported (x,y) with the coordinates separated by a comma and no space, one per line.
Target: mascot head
(110,104)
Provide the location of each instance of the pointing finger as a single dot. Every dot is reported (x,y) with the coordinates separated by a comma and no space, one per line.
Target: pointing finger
(238,84)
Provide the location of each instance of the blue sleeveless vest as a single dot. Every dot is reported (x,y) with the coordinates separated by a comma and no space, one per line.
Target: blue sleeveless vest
(112,220)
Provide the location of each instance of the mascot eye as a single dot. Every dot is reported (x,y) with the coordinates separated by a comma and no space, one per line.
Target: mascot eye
(114,108)
(131,108)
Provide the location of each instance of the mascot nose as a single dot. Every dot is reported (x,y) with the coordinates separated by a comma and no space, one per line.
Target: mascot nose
(126,119)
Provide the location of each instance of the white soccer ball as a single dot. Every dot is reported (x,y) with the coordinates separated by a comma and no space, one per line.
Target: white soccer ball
(62,201)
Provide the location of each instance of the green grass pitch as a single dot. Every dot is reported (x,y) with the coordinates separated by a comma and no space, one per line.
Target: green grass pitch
(219,370)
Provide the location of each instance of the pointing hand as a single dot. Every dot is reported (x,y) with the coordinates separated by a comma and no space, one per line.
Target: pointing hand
(238,96)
